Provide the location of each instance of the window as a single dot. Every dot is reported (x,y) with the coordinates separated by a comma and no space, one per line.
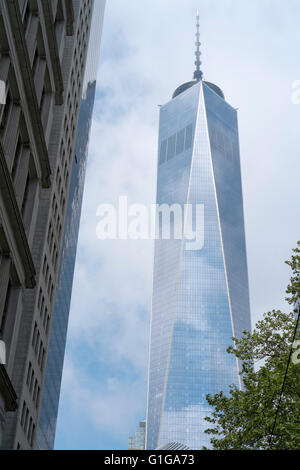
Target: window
(163,151)
(171,147)
(189,137)
(180,142)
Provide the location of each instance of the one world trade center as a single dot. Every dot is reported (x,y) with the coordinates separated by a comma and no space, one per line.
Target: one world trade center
(200,297)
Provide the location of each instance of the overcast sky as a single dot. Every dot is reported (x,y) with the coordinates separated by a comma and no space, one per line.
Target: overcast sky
(250,50)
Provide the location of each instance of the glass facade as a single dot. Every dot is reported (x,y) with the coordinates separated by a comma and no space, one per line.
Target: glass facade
(200,297)
(137,442)
(58,335)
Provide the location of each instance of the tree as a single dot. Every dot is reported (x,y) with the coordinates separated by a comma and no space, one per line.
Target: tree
(264,414)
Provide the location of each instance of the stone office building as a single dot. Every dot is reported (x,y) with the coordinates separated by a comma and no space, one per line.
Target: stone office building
(43,49)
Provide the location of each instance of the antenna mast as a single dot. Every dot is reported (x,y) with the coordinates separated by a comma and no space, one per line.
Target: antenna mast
(198,74)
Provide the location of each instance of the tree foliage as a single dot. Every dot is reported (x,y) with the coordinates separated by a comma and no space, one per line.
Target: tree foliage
(245,419)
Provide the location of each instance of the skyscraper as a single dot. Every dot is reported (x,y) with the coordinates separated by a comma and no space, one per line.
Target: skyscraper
(200,296)
(43,51)
(58,335)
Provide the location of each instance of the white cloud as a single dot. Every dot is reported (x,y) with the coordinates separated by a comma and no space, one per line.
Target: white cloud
(111,405)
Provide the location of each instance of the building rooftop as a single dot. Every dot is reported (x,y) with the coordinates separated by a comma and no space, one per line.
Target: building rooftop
(188,85)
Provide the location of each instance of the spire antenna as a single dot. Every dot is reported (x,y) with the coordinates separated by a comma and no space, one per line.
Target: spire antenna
(198,74)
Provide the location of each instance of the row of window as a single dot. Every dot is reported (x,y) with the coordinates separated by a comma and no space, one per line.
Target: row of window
(176,144)
(53,241)
(15,142)
(55,228)
(27,424)
(59,180)
(52,244)
(43,312)
(48,278)
(38,347)
(37,54)
(33,386)
(54,256)
(59,200)
(55,213)
(224,142)
(76,78)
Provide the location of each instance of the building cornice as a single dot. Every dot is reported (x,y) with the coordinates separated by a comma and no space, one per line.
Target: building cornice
(7,391)
(16,222)
(53,49)
(20,46)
